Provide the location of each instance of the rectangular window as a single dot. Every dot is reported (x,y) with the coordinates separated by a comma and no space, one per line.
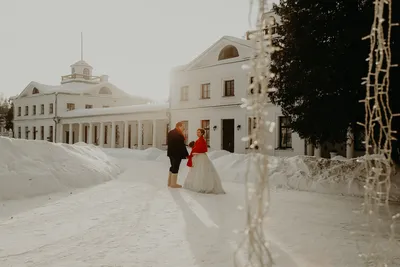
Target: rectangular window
(26,110)
(88,106)
(42,109)
(251,125)
(205,91)
(185,131)
(34,133)
(117,134)
(51,108)
(285,133)
(34,110)
(86,134)
(70,106)
(19,111)
(359,140)
(106,106)
(95,135)
(105,134)
(205,124)
(251,91)
(229,88)
(51,133)
(41,132)
(185,93)
(19,132)
(26,132)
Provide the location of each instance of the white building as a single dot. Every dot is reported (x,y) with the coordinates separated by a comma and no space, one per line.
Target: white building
(207,93)
(92,109)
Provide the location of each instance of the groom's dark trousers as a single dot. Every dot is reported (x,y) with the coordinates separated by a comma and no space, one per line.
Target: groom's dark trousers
(176,150)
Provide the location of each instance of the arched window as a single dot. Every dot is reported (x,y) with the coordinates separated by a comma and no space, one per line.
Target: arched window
(227,52)
(35,91)
(105,91)
(86,72)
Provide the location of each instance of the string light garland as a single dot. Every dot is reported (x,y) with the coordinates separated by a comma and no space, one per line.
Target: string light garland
(378,141)
(254,244)
(378,146)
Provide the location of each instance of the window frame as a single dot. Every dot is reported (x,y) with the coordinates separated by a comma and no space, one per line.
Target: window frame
(284,123)
(229,92)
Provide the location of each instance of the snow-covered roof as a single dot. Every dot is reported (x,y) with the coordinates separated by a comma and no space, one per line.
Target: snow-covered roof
(73,88)
(81,63)
(78,89)
(116,110)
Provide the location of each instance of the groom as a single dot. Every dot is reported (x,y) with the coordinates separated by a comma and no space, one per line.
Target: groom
(176,151)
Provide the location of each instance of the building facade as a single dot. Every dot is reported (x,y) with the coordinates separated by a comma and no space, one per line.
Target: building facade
(207,93)
(87,108)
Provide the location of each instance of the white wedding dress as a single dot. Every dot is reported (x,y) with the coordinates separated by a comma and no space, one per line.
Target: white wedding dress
(203,177)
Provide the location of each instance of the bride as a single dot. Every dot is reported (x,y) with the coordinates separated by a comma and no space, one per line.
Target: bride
(202,176)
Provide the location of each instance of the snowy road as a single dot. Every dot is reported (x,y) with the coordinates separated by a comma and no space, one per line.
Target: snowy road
(136,221)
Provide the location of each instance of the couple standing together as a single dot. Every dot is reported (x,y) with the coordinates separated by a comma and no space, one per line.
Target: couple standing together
(202,176)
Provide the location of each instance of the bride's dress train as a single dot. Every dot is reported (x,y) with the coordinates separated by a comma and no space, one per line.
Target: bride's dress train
(203,177)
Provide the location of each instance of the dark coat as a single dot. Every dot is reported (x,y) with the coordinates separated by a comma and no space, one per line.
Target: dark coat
(176,145)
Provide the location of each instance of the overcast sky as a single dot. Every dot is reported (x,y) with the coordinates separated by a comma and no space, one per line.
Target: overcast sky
(135,42)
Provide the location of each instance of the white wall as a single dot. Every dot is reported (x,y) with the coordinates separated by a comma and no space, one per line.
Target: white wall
(81,101)
(34,123)
(298,144)
(219,107)
(215,115)
(216,76)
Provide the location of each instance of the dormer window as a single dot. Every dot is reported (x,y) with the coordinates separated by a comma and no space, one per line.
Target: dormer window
(227,52)
(105,91)
(35,91)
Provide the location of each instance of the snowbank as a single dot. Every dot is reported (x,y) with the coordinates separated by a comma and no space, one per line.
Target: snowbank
(331,176)
(32,168)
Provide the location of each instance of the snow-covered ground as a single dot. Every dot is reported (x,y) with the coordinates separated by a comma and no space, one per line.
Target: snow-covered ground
(130,218)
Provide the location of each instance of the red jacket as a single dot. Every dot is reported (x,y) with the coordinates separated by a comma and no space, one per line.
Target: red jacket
(199,147)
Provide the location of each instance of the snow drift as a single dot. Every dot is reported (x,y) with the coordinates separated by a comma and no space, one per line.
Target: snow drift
(329,176)
(31,168)
(305,173)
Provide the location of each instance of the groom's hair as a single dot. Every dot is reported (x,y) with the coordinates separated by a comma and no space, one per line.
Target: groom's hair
(178,124)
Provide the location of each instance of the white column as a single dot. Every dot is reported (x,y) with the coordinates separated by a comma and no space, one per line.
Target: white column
(154,133)
(350,144)
(101,141)
(310,150)
(113,134)
(53,134)
(80,132)
(90,138)
(126,134)
(70,134)
(139,132)
(317,152)
(61,133)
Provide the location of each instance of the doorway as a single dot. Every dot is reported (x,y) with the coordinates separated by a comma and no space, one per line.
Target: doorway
(228,135)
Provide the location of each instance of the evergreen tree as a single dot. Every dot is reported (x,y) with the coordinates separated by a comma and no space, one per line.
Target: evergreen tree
(323,60)
(10,118)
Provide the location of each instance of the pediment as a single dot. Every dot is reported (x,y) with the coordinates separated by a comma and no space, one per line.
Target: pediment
(31,89)
(225,50)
